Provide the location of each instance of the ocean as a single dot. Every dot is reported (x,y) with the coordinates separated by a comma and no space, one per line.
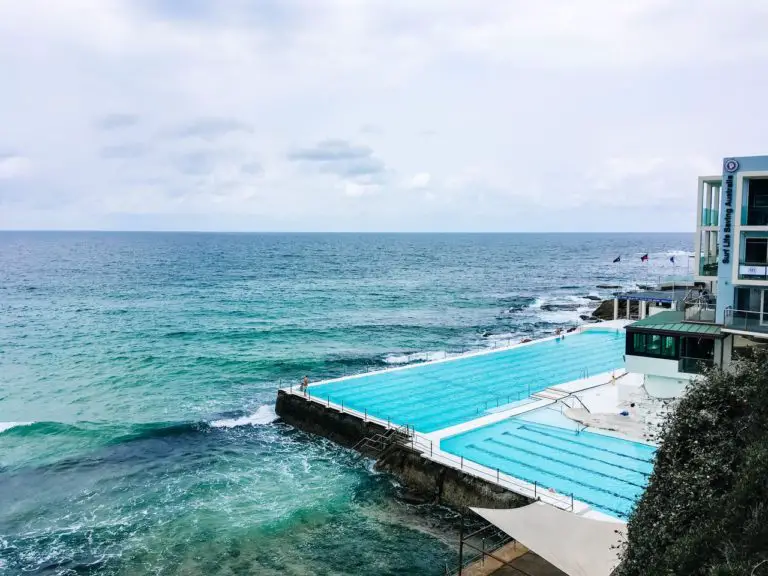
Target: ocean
(138,374)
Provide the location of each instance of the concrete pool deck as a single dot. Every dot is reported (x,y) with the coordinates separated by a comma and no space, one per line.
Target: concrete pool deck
(349,426)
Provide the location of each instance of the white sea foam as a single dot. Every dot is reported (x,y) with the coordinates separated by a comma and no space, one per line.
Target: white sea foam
(538,303)
(8,425)
(264,415)
(415,357)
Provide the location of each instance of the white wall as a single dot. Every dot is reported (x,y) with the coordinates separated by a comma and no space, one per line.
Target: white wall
(662,379)
(655,367)
(724,346)
(661,387)
(656,309)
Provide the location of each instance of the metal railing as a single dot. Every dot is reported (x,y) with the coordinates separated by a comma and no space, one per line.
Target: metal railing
(535,491)
(694,365)
(407,436)
(491,538)
(746,320)
(700,313)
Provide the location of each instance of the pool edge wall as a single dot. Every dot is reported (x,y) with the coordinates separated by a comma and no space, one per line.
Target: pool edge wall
(438,483)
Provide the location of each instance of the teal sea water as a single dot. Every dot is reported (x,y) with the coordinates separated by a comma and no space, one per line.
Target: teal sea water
(138,374)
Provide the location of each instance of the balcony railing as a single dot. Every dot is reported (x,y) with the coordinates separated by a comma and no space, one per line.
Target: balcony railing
(753,270)
(746,320)
(754,216)
(701,313)
(708,266)
(694,365)
(709,217)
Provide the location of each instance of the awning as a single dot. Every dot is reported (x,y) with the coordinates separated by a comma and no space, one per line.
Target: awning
(576,545)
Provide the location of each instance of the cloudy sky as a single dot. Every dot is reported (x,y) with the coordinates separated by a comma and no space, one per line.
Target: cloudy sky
(374,114)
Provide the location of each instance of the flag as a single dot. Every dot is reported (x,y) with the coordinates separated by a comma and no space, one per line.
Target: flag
(617,259)
(644,258)
(672,259)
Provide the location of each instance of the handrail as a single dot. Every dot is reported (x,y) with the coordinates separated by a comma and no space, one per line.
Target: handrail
(539,491)
(747,320)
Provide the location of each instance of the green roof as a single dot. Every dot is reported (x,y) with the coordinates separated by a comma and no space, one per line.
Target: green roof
(674,321)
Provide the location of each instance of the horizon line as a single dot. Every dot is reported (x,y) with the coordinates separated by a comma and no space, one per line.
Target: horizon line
(138,231)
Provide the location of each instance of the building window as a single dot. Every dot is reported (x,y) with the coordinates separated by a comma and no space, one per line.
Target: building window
(638,343)
(756,251)
(668,346)
(653,345)
(757,202)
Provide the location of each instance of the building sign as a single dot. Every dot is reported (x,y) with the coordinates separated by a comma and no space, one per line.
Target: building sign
(730,166)
(752,270)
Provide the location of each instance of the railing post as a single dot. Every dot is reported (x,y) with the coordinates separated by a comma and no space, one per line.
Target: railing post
(535,490)
(461,543)
(430,447)
(497,475)
(365,415)
(462,462)
(342,406)
(571,501)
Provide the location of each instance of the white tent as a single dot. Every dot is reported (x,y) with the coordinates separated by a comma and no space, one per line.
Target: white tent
(576,545)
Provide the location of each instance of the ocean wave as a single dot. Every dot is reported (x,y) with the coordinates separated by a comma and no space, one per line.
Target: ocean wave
(264,415)
(8,425)
(416,357)
(561,309)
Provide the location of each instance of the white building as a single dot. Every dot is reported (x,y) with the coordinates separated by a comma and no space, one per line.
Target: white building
(726,313)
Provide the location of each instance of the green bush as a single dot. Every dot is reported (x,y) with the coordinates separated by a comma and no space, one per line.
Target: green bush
(705,510)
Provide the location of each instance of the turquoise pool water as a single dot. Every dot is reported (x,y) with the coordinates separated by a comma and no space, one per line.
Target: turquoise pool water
(433,396)
(605,472)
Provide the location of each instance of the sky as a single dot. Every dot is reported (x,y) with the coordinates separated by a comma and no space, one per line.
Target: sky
(374,115)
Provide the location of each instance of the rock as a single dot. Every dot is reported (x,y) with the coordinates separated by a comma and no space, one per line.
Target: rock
(524,340)
(560,307)
(593,297)
(486,334)
(605,310)
(411,497)
(586,317)
(608,286)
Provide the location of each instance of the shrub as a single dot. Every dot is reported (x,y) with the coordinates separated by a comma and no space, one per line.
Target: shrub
(705,510)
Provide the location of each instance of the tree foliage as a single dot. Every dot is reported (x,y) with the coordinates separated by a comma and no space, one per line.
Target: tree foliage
(705,510)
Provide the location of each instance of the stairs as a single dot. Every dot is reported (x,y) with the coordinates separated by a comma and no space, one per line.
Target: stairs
(374,446)
(550,394)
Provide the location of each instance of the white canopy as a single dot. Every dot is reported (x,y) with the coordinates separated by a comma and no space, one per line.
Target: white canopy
(576,545)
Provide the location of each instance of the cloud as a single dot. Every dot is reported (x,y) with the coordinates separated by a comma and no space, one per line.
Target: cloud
(254,168)
(346,160)
(123,151)
(371,129)
(420,180)
(550,115)
(329,151)
(13,166)
(211,128)
(117,121)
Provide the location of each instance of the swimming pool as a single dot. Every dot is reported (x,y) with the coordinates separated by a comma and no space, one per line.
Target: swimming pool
(440,394)
(605,472)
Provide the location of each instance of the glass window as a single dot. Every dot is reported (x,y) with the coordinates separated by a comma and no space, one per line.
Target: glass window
(653,345)
(668,346)
(756,251)
(638,343)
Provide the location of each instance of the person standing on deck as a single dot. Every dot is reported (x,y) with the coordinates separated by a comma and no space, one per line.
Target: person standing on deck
(304,384)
